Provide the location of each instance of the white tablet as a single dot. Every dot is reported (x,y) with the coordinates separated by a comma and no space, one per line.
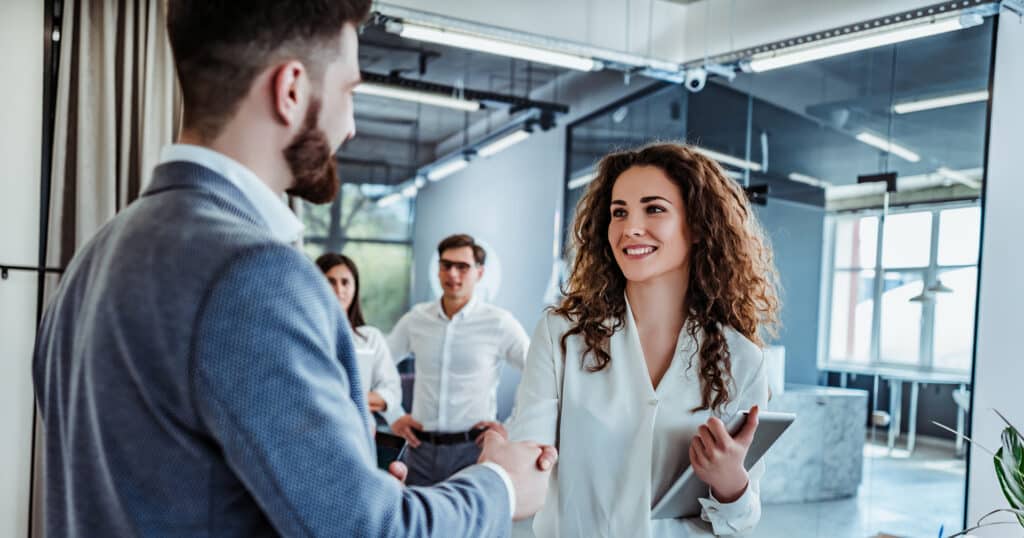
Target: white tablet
(681,499)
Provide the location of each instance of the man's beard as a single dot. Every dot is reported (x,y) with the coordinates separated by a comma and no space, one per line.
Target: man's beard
(311,160)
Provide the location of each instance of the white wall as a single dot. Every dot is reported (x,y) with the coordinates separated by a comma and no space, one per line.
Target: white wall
(21,61)
(999,360)
(677,32)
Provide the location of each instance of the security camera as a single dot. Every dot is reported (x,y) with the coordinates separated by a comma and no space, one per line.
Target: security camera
(696,78)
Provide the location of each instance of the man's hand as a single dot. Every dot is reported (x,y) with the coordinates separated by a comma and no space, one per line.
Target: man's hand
(376,403)
(489,425)
(523,462)
(717,457)
(403,427)
(399,471)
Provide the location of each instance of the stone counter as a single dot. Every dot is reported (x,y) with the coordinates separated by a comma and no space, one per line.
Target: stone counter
(821,455)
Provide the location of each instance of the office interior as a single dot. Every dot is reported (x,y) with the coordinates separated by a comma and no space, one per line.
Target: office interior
(878,143)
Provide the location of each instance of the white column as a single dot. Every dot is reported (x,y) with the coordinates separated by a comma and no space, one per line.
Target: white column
(21,40)
(999,363)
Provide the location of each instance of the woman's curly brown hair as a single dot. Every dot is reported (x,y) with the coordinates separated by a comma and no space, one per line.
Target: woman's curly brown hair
(733,281)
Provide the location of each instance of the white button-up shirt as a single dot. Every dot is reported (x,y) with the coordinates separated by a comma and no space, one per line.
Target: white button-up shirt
(458,361)
(377,370)
(621,442)
(280,219)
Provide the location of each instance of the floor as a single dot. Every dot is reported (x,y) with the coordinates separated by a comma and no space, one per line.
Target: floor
(901,495)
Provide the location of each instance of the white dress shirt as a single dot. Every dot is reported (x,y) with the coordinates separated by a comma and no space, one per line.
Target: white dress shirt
(458,361)
(622,443)
(377,370)
(283,223)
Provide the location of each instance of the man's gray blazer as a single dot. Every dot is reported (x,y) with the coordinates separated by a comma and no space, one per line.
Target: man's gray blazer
(197,378)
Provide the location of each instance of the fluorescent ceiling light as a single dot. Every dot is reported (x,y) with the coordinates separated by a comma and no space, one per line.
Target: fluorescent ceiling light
(503,142)
(444,170)
(728,159)
(888,146)
(809,180)
(581,180)
(389,199)
(495,46)
(863,41)
(417,96)
(410,190)
(959,177)
(940,102)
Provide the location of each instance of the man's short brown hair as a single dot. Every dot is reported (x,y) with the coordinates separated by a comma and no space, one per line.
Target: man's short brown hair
(220,46)
(459,241)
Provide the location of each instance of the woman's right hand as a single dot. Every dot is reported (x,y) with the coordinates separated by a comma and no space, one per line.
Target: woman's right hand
(404,426)
(717,457)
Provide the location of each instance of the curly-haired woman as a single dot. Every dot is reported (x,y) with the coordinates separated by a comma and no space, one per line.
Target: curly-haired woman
(655,346)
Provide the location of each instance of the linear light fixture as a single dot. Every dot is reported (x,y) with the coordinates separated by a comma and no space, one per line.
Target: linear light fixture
(417,96)
(728,159)
(863,41)
(503,142)
(809,180)
(907,107)
(446,169)
(390,199)
(581,180)
(958,176)
(410,190)
(491,45)
(888,146)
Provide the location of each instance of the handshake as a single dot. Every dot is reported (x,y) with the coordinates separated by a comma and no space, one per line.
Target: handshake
(528,464)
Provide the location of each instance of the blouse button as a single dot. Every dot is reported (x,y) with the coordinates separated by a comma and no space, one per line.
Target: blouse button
(653,402)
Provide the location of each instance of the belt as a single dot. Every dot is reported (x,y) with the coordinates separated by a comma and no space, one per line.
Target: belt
(436,438)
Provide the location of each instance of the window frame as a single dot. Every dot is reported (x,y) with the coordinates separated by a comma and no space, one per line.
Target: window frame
(344,239)
(926,354)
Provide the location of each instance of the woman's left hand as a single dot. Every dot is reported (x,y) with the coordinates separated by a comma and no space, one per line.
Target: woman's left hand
(376,402)
(717,457)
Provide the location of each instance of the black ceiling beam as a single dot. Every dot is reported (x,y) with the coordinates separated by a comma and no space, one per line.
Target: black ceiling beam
(515,102)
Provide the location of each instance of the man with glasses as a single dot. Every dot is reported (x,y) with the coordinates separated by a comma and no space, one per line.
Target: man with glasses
(459,344)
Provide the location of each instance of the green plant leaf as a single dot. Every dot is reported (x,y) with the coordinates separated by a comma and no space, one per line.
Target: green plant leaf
(1013,461)
(1013,490)
(1015,430)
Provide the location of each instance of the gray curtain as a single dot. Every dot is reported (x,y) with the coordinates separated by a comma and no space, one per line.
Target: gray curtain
(118,104)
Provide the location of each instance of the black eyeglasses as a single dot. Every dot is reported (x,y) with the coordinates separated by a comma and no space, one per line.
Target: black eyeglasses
(462,267)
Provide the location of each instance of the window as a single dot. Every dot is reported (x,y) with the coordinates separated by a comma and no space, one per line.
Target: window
(921,312)
(378,238)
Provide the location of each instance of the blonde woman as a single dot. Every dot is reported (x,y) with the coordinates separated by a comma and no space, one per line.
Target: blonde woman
(655,346)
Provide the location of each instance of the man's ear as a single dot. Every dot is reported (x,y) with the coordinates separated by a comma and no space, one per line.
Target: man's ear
(290,89)
(480,273)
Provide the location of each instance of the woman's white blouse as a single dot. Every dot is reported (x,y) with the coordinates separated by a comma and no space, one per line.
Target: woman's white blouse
(622,443)
(377,370)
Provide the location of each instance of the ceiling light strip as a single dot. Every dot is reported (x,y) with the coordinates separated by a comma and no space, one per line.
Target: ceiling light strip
(918,105)
(728,159)
(463,40)
(417,96)
(888,146)
(863,40)
(446,169)
(502,143)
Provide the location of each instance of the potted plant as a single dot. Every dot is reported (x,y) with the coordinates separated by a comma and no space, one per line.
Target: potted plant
(1009,464)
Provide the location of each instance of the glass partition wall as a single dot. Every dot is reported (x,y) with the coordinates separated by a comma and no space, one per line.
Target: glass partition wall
(879,287)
